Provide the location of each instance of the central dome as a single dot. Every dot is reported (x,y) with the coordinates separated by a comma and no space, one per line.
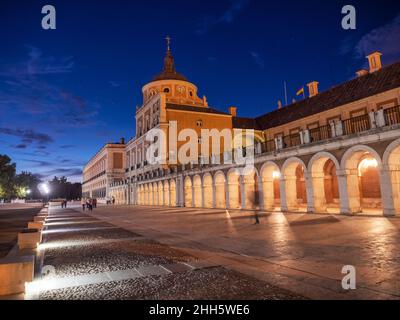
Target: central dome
(169,71)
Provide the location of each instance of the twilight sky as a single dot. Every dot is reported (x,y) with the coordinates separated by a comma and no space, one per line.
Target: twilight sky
(66,92)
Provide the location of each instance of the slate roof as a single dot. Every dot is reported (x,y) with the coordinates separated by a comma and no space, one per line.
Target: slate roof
(359,88)
(194,109)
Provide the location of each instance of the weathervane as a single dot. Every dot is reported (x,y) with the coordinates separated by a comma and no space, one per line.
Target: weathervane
(168,38)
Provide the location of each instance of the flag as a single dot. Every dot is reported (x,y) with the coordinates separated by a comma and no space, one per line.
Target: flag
(301,91)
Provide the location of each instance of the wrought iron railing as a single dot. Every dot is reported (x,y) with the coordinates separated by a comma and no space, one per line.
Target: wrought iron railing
(392,115)
(356,124)
(320,133)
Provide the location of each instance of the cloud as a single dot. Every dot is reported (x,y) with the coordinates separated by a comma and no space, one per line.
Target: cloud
(67,172)
(27,91)
(28,136)
(258,59)
(39,163)
(228,16)
(114,84)
(385,39)
(38,64)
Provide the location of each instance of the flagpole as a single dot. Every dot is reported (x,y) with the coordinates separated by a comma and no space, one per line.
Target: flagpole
(284,83)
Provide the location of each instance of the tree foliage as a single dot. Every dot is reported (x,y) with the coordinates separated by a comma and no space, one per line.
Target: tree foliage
(13,185)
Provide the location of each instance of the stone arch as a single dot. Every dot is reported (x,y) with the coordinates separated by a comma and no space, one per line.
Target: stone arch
(234,189)
(208,192)
(160,194)
(172,191)
(322,168)
(220,189)
(270,178)
(251,189)
(166,198)
(146,194)
(155,193)
(188,192)
(361,166)
(391,178)
(197,192)
(293,174)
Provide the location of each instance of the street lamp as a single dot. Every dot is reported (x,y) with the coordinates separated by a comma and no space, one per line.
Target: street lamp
(44,189)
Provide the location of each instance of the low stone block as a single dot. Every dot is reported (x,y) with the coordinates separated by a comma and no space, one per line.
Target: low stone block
(14,273)
(39,219)
(29,239)
(36,225)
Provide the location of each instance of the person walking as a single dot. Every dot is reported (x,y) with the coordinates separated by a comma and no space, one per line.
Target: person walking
(256,217)
(83,203)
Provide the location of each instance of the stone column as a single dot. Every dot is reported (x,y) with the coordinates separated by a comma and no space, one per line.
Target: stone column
(349,200)
(282,187)
(316,187)
(268,194)
(290,191)
(249,194)
(179,191)
(389,180)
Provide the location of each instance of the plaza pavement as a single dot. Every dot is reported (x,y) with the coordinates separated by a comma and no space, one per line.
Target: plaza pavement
(302,253)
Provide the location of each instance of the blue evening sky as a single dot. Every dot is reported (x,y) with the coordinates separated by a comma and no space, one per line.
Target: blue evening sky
(66,92)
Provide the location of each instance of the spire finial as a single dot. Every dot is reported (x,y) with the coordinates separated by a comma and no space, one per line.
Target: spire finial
(168,38)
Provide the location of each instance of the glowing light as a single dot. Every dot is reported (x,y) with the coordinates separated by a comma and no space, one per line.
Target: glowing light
(366,164)
(28,191)
(44,188)
(276,174)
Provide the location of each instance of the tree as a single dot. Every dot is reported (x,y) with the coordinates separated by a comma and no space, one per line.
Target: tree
(62,189)
(7,176)
(27,181)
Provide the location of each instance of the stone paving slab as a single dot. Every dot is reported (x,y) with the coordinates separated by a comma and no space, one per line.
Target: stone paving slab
(300,251)
(152,271)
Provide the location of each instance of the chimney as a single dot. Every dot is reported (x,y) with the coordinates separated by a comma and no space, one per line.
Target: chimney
(279,104)
(361,73)
(233,111)
(374,60)
(313,88)
(122,141)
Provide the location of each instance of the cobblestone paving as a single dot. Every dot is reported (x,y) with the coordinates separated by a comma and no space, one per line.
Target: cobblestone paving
(101,250)
(213,283)
(304,253)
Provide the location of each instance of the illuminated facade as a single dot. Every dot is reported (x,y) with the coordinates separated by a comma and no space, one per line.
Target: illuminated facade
(335,151)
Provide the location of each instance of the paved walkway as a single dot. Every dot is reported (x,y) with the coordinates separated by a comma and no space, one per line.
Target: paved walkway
(84,257)
(302,253)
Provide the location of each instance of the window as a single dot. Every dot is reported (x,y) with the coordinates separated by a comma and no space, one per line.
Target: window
(191,93)
(166,90)
(199,123)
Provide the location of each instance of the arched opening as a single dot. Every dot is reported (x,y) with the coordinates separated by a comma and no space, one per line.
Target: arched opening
(188,193)
(151,195)
(172,191)
(325,187)
(251,190)
(208,191)
(270,176)
(295,186)
(146,195)
(392,165)
(160,194)
(362,167)
(155,194)
(166,201)
(234,190)
(197,192)
(220,192)
(140,197)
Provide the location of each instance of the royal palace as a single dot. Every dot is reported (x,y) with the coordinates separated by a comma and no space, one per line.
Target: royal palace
(336,151)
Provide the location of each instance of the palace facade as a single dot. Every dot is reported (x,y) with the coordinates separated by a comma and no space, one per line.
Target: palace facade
(335,151)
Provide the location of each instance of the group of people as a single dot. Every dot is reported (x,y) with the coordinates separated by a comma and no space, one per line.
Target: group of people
(88,203)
